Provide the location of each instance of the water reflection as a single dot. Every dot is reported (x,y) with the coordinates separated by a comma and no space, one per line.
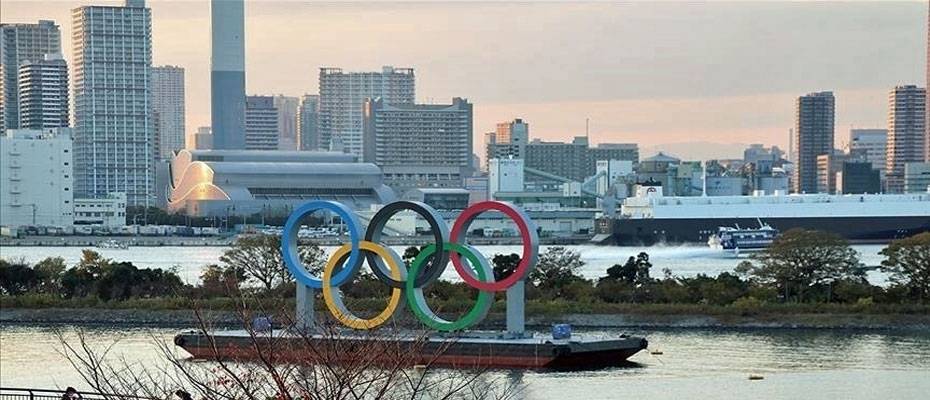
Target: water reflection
(714,363)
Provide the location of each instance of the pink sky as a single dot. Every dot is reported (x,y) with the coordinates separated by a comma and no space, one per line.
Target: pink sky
(647,73)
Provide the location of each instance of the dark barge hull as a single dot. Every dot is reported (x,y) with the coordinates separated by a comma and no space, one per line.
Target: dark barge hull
(697,230)
(529,353)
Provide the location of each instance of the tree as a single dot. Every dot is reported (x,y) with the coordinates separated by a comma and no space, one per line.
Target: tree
(16,277)
(635,271)
(80,280)
(49,272)
(220,281)
(799,259)
(409,254)
(908,263)
(504,265)
(557,268)
(259,256)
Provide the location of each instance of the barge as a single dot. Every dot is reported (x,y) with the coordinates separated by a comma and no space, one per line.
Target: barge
(467,350)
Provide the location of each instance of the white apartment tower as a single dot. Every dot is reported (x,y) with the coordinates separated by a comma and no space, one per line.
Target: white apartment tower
(114,134)
(168,106)
(906,137)
(20,43)
(43,93)
(342,96)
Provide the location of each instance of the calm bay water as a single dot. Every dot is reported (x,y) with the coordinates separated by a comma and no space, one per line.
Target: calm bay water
(682,260)
(715,364)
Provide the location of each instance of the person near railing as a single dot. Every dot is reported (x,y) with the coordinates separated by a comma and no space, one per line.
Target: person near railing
(71,394)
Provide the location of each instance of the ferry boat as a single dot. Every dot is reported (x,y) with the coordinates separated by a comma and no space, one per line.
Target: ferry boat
(648,217)
(737,240)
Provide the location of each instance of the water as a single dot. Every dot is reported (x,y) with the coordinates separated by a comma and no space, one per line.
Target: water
(831,364)
(681,260)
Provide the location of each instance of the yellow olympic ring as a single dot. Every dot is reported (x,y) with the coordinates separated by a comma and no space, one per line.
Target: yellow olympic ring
(334,300)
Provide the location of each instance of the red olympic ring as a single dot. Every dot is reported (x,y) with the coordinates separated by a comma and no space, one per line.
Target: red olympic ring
(527,233)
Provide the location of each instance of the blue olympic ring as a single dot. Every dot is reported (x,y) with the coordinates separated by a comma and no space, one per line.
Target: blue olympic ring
(292,256)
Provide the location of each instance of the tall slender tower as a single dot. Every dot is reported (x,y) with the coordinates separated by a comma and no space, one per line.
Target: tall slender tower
(813,136)
(906,129)
(227,73)
(168,102)
(927,86)
(114,135)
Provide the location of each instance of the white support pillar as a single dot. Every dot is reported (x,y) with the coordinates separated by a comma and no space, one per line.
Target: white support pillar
(305,316)
(516,309)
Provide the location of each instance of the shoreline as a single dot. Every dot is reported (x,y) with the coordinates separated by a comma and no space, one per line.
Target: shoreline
(226,241)
(225,319)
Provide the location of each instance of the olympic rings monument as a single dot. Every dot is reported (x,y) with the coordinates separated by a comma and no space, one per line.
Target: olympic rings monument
(514,348)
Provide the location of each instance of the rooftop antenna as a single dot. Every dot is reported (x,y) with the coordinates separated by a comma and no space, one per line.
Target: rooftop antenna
(587,132)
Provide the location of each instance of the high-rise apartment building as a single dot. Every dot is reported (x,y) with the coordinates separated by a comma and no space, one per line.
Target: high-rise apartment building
(20,43)
(113,132)
(814,119)
(308,122)
(906,135)
(168,103)
(43,93)
(342,97)
(871,143)
(287,121)
(227,73)
(419,145)
(261,123)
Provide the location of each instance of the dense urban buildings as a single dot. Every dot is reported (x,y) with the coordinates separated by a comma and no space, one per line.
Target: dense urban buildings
(419,145)
(287,121)
(20,43)
(261,123)
(342,96)
(871,143)
(906,135)
(43,93)
(37,177)
(575,160)
(308,122)
(813,136)
(113,132)
(227,73)
(235,182)
(507,141)
(168,108)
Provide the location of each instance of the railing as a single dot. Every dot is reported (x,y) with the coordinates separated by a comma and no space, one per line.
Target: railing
(57,394)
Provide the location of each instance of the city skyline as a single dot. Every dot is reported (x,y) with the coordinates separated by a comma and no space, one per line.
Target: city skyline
(628,91)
